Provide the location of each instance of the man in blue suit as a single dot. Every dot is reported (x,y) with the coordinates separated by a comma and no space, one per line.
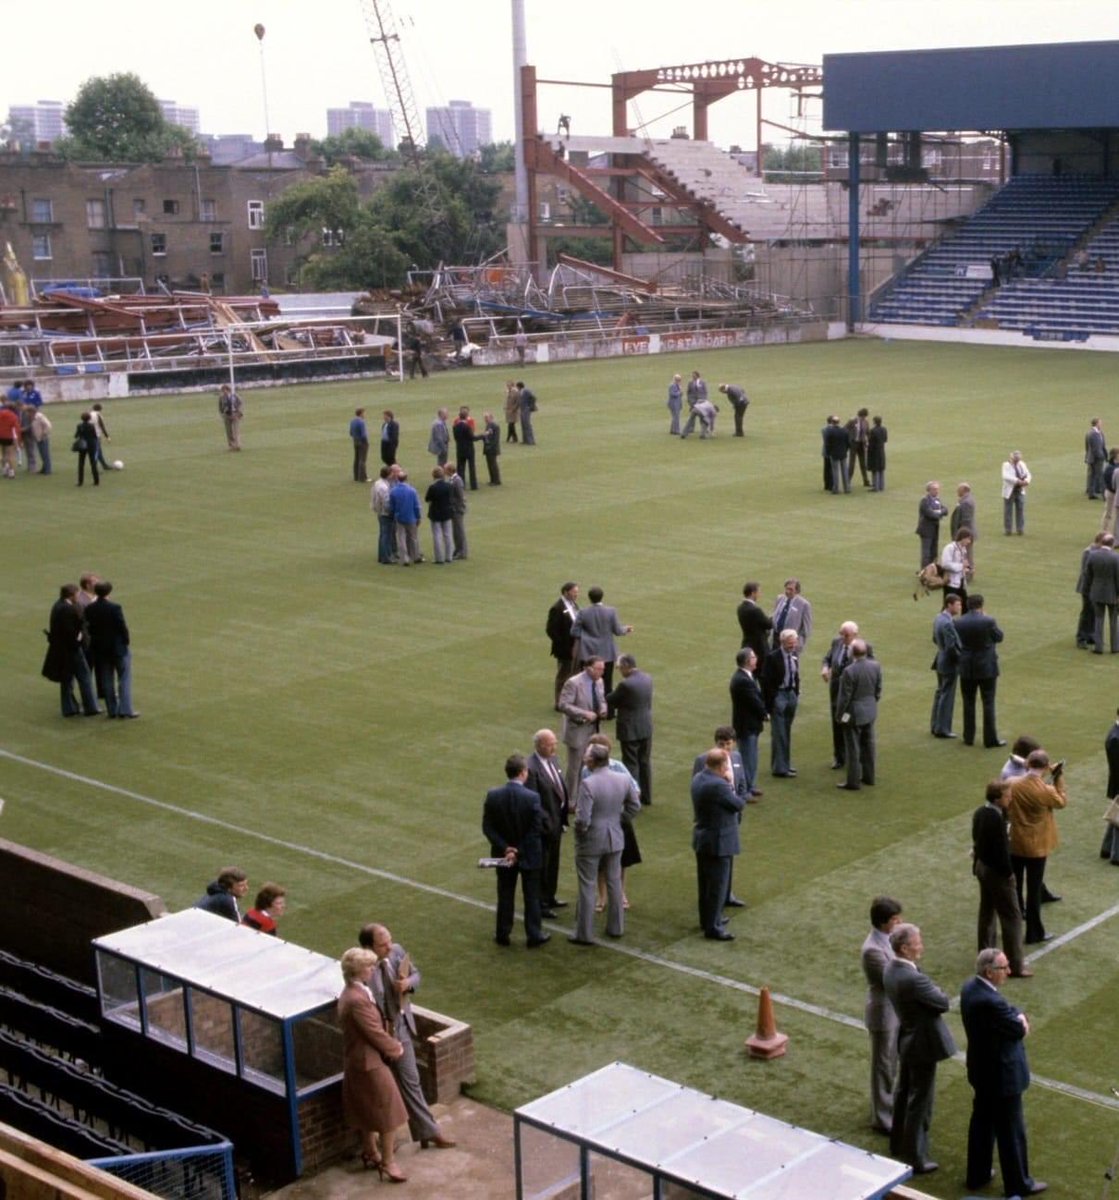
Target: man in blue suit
(112,656)
(725,739)
(979,634)
(512,820)
(716,807)
(998,1073)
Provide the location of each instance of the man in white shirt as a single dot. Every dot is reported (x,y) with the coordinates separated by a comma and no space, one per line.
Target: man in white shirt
(1015,479)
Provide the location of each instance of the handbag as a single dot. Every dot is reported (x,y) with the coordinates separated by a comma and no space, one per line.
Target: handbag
(1111,816)
(77,445)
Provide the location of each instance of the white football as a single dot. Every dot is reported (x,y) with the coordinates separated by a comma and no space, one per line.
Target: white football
(118,465)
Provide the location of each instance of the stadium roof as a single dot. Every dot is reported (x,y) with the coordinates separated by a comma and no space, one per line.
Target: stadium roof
(1071,85)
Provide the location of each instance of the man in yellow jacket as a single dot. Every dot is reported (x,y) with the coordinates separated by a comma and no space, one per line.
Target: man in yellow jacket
(1033,833)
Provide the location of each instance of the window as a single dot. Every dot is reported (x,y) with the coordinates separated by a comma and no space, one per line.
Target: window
(258,260)
(170,208)
(40,246)
(217,243)
(208,211)
(138,207)
(159,244)
(42,212)
(333,237)
(217,280)
(102,264)
(256,214)
(95,214)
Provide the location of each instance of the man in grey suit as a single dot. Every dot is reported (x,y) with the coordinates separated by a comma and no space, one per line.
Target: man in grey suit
(1101,578)
(393,981)
(930,512)
(860,689)
(716,807)
(792,611)
(596,627)
(946,665)
(546,780)
(835,662)
(583,704)
(963,517)
(632,702)
(923,1040)
(604,796)
(880,1019)
(1095,455)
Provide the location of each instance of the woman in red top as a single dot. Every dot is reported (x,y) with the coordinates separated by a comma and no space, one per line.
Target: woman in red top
(271,901)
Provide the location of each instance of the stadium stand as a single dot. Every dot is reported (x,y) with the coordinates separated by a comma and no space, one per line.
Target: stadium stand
(1045,219)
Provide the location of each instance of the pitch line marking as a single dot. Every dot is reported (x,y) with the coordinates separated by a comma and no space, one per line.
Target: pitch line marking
(814,1010)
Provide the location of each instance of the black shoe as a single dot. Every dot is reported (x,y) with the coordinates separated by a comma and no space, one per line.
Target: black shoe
(945,735)
(994,745)
(501,941)
(1045,937)
(719,936)
(548,914)
(1036,1187)
(789,774)
(1048,897)
(128,716)
(532,943)
(836,765)
(925,1168)
(580,942)
(974,1187)
(558,904)
(847,787)
(734,902)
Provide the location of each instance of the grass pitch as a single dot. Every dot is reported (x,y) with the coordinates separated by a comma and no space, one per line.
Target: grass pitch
(333,724)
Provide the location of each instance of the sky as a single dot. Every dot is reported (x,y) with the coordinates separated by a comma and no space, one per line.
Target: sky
(204,54)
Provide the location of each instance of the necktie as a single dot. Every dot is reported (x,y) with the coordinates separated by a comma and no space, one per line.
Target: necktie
(780,623)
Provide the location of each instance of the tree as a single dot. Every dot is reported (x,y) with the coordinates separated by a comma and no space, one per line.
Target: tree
(497,158)
(330,202)
(116,118)
(353,143)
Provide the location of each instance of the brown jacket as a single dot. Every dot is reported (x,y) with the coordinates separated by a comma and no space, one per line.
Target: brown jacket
(1033,830)
(370,1097)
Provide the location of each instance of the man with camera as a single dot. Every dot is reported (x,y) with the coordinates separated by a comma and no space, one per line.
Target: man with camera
(1033,833)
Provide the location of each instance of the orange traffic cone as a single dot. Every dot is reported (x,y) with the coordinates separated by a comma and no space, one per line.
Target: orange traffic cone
(766,1042)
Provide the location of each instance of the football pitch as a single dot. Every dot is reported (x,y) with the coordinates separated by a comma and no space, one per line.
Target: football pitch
(333,724)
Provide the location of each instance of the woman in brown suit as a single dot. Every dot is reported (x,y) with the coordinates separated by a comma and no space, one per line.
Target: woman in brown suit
(371,1100)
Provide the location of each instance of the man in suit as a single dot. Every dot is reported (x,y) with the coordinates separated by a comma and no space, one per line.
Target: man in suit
(747,717)
(632,703)
(404,508)
(359,435)
(754,623)
(1033,833)
(963,517)
(946,665)
(923,1040)
(860,689)
(512,821)
(1101,578)
(836,661)
(392,983)
(1095,455)
(596,627)
(781,692)
(725,740)
(439,443)
(491,449)
(858,433)
(979,634)
(1086,622)
(992,867)
(604,796)
(66,661)
(546,780)
(390,437)
(697,393)
(111,652)
(716,808)
(1016,478)
(738,398)
(1110,487)
(930,512)
(998,1073)
(880,1019)
(221,896)
(675,405)
(837,443)
(792,611)
(1110,846)
(463,433)
(565,649)
(583,704)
